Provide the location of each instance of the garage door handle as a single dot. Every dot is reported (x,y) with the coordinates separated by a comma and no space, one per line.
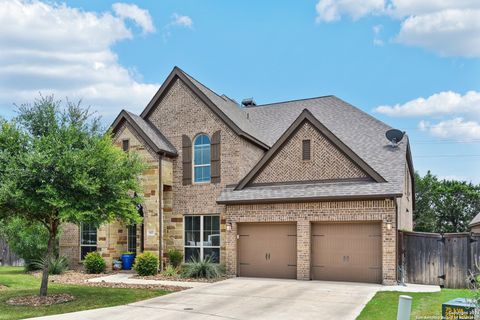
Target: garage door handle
(266,256)
(269,256)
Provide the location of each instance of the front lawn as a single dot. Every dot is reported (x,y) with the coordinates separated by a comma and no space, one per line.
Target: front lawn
(384,305)
(20,284)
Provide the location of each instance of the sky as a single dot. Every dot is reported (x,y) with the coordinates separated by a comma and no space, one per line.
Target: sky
(413,64)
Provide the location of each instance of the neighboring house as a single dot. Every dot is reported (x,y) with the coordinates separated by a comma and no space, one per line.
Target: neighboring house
(303,189)
(475,224)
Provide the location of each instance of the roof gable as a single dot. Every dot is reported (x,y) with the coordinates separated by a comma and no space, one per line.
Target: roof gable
(224,108)
(358,167)
(149,134)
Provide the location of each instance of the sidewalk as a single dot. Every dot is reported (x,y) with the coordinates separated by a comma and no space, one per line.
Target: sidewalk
(126,278)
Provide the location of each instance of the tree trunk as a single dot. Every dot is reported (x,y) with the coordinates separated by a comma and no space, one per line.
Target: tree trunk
(48,258)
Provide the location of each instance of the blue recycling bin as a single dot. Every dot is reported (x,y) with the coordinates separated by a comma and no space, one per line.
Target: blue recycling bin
(127,261)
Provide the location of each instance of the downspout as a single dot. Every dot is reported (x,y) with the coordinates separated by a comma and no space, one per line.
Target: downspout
(160,206)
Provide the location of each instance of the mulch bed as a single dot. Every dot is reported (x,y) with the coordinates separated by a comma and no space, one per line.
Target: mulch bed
(180,279)
(37,301)
(73,277)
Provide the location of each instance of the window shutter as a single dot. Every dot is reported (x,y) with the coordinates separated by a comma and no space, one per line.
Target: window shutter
(187,160)
(215,157)
(306,149)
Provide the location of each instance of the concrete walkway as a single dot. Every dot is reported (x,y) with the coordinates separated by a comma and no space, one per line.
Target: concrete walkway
(127,279)
(248,298)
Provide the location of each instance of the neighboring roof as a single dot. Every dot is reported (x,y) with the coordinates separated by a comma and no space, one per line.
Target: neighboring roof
(306,115)
(152,136)
(225,108)
(361,133)
(475,221)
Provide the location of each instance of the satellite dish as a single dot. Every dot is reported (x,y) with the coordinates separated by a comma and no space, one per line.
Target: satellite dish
(394,136)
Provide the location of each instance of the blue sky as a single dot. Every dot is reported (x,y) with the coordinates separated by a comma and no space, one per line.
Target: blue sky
(385,54)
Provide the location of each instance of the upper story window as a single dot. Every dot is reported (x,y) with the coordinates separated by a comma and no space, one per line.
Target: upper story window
(201,159)
(306,150)
(125,145)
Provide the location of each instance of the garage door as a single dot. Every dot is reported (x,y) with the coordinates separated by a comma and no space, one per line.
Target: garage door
(267,250)
(347,252)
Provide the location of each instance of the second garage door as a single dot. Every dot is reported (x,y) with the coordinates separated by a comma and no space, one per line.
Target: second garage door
(347,252)
(267,250)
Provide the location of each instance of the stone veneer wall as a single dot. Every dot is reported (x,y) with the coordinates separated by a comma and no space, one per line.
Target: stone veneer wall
(327,161)
(181,112)
(306,213)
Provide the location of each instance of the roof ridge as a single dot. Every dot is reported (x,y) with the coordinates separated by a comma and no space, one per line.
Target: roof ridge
(293,100)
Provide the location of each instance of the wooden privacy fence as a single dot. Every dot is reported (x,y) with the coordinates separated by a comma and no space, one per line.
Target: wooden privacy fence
(439,259)
(7,257)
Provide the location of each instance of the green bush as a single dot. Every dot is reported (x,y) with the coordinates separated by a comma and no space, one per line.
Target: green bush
(197,268)
(56,265)
(146,264)
(94,263)
(170,271)
(175,257)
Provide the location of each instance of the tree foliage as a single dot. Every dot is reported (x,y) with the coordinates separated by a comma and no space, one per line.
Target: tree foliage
(57,165)
(444,205)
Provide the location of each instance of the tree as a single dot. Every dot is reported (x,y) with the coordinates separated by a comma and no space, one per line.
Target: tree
(57,165)
(444,205)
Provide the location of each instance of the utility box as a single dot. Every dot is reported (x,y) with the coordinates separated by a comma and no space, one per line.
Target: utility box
(458,309)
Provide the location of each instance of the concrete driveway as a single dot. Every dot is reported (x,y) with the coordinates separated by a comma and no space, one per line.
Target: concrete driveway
(246,298)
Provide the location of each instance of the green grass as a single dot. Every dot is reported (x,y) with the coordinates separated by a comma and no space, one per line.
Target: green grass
(383,305)
(21,284)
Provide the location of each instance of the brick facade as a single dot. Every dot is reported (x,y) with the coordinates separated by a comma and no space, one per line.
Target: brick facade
(304,214)
(167,200)
(327,161)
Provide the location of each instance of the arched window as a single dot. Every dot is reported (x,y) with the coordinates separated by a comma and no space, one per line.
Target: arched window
(201,159)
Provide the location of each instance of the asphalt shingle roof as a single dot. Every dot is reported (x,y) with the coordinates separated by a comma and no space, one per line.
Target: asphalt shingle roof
(153,134)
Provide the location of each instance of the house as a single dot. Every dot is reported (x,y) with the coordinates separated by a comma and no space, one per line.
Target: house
(302,189)
(474,225)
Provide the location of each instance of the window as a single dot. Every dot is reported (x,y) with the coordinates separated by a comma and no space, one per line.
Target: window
(125,145)
(132,239)
(306,149)
(201,159)
(202,237)
(88,239)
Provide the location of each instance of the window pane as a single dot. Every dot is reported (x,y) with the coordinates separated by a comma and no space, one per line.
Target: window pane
(88,235)
(211,239)
(206,155)
(214,253)
(192,231)
(192,253)
(197,155)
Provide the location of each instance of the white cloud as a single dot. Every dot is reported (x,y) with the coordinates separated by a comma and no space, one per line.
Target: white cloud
(377,29)
(332,10)
(447,27)
(58,49)
(179,20)
(456,128)
(446,102)
(139,16)
(449,32)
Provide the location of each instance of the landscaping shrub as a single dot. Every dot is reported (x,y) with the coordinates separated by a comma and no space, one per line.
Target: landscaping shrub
(94,263)
(197,268)
(146,264)
(170,271)
(56,265)
(175,257)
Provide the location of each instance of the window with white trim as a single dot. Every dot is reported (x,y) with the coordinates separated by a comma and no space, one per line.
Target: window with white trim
(88,239)
(201,159)
(202,237)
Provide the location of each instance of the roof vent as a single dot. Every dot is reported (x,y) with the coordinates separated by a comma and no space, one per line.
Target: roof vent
(248,102)
(394,136)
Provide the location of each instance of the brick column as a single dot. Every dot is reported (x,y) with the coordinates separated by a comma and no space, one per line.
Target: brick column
(389,262)
(231,249)
(303,249)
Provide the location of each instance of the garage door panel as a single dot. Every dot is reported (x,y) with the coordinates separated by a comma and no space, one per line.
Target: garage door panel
(267,250)
(346,252)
